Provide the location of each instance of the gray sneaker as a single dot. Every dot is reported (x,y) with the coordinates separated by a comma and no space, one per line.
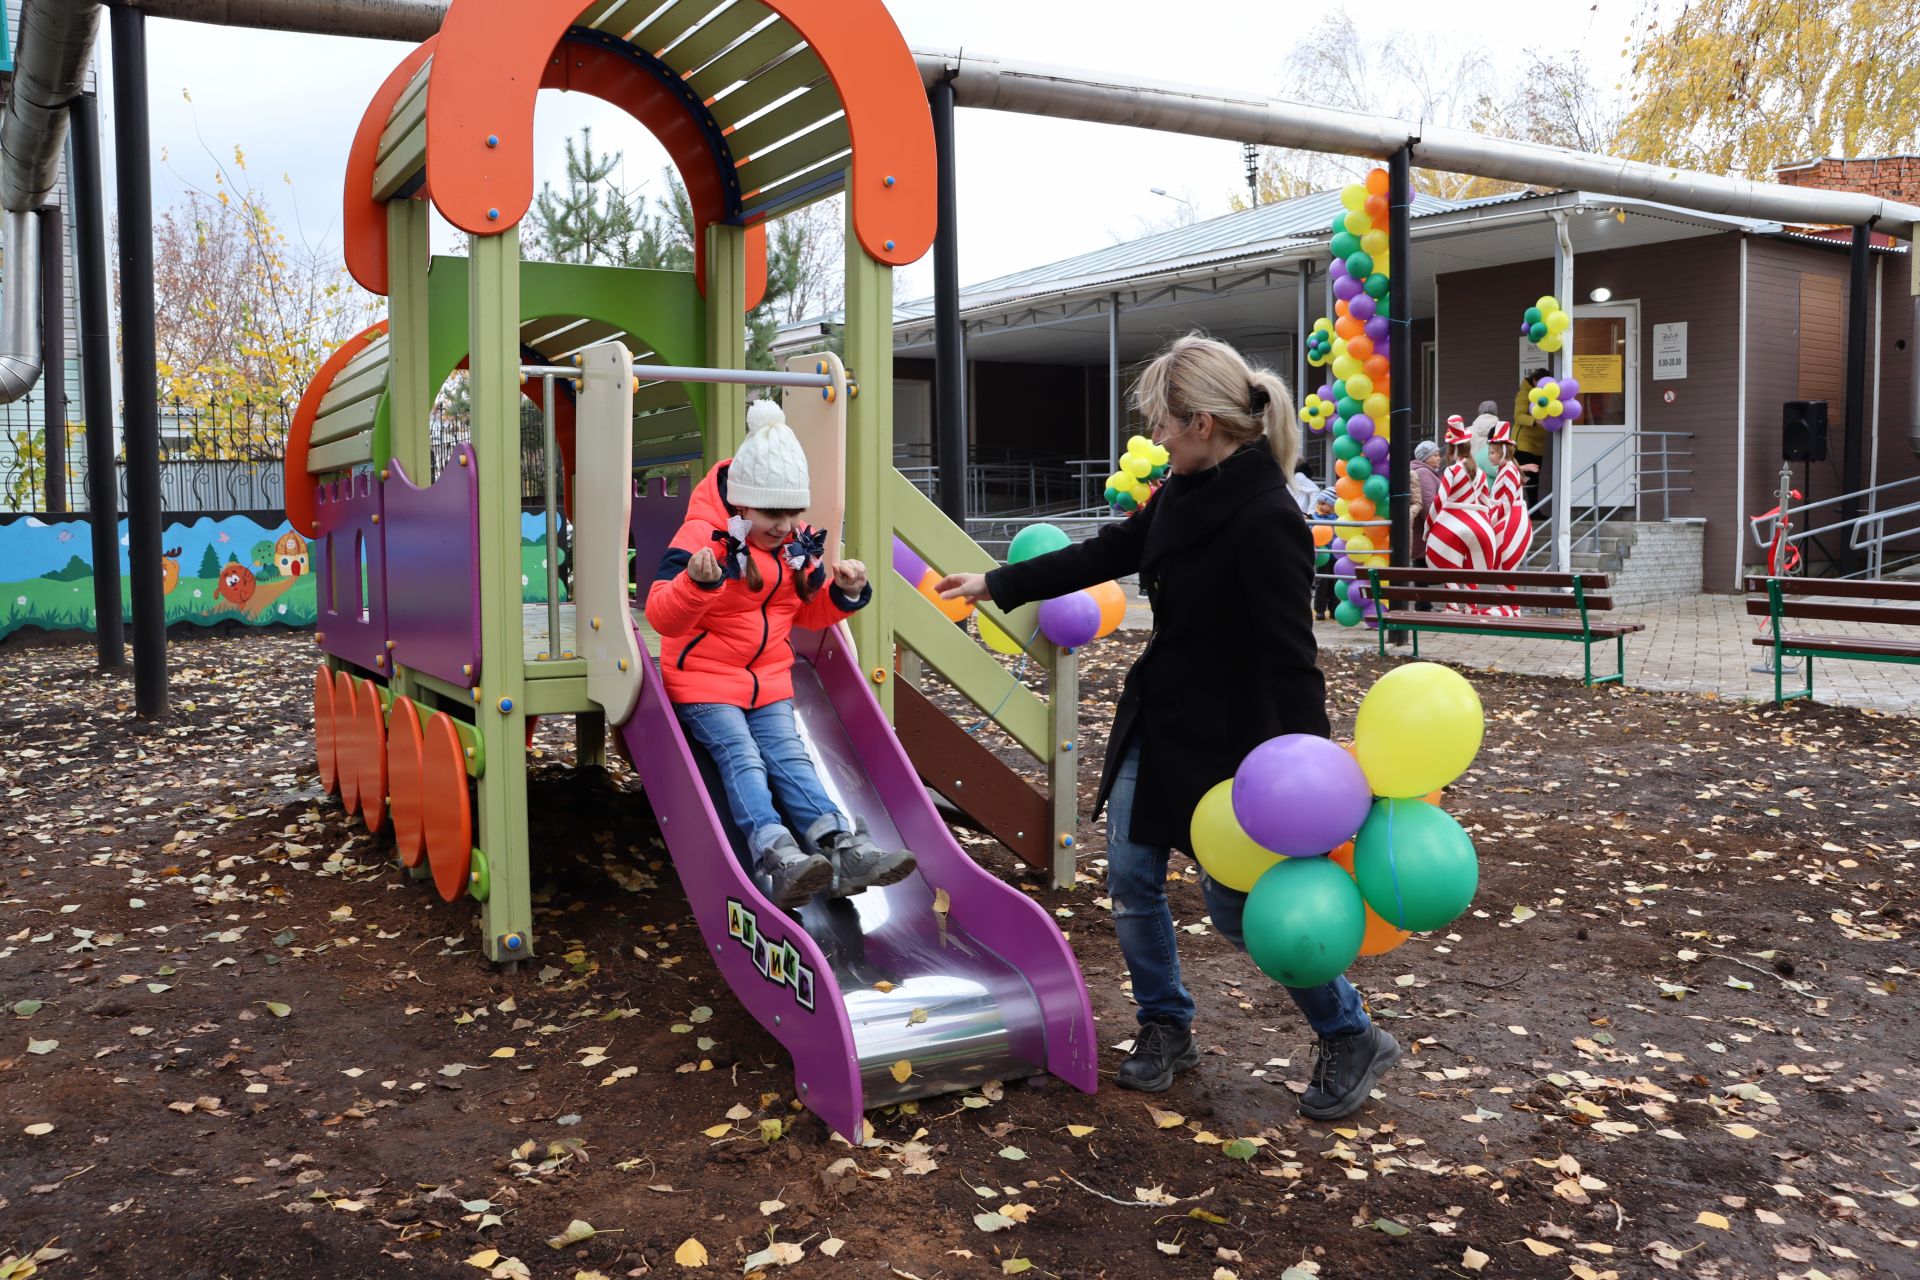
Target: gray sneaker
(1345,1069)
(859,863)
(788,876)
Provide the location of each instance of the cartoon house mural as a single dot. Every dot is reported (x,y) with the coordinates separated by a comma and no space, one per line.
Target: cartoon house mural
(290,554)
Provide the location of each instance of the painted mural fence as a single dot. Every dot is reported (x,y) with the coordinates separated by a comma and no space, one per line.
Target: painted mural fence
(217,568)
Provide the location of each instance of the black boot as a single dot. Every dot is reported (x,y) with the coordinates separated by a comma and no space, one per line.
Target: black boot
(1345,1069)
(1160,1050)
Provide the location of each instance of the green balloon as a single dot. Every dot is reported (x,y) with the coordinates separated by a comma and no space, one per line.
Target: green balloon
(1346,448)
(1376,288)
(1359,469)
(1360,264)
(1536,331)
(1415,866)
(1532,316)
(1304,921)
(1347,407)
(1375,485)
(1347,614)
(1381,308)
(1344,244)
(1036,540)
(1322,559)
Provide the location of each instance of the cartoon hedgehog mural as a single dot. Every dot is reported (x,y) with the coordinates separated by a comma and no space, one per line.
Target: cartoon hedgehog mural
(236,584)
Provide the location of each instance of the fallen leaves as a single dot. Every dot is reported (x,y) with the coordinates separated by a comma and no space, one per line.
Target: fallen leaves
(691,1253)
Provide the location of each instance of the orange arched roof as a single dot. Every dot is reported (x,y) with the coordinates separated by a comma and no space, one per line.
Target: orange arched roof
(492,57)
(298,485)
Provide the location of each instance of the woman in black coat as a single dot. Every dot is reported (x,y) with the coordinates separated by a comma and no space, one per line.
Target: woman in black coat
(1226,562)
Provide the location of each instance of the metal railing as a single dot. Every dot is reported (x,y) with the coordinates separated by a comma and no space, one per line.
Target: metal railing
(1868,533)
(1646,461)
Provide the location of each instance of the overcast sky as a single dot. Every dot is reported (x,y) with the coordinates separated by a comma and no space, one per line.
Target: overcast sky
(1032,190)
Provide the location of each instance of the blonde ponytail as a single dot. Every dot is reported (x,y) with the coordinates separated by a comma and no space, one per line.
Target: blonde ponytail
(1198,374)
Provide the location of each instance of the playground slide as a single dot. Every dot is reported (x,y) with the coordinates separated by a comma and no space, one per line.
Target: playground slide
(881,997)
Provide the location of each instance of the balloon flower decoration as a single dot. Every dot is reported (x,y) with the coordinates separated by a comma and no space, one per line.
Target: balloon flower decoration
(1546,324)
(1556,404)
(1068,621)
(1143,465)
(1355,404)
(1346,852)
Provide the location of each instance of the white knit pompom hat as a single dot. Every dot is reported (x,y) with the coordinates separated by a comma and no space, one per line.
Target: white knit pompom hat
(769,469)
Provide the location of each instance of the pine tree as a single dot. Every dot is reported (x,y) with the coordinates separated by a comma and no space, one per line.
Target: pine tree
(209,563)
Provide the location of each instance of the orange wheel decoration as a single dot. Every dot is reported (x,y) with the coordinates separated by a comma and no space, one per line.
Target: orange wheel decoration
(346,739)
(448,816)
(373,756)
(404,778)
(323,724)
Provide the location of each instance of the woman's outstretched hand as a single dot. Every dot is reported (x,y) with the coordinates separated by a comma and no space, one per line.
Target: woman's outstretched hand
(964,586)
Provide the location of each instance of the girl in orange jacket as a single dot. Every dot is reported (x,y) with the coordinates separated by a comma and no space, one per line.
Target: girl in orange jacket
(734,582)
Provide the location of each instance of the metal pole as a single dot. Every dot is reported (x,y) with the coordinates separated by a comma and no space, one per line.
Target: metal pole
(133,149)
(1300,323)
(1851,481)
(53,356)
(551,458)
(96,377)
(1402,360)
(1562,506)
(1116,413)
(949,338)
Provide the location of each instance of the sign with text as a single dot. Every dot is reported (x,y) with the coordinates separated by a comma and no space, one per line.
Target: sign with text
(1669,351)
(1600,373)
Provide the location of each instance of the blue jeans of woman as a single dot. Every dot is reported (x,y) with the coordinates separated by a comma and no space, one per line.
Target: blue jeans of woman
(769,779)
(1137,883)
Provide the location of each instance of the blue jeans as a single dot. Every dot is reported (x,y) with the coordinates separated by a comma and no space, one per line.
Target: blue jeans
(1137,883)
(769,779)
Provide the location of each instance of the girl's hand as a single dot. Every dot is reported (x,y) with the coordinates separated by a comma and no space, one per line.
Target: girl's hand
(850,576)
(704,567)
(964,586)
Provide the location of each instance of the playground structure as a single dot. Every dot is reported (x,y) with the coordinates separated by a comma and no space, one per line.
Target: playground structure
(434,670)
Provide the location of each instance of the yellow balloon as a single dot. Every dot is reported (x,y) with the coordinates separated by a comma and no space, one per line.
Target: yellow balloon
(1359,224)
(1550,343)
(1222,849)
(1383,265)
(1346,532)
(1377,407)
(1346,368)
(1136,466)
(1376,562)
(1354,198)
(1159,455)
(1559,322)
(1359,545)
(1120,481)
(1374,242)
(993,637)
(1359,386)
(1547,303)
(1135,443)
(1418,729)
(1340,508)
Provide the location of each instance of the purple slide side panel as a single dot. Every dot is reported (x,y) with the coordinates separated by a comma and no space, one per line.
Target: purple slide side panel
(657,516)
(352,608)
(433,570)
(994,913)
(745,933)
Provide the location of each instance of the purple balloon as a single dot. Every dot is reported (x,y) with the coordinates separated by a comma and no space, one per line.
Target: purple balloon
(1363,307)
(1343,568)
(1378,328)
(1070,620)
(907,564)
(1573,410)
(1553,424)
(1375,450)
(1360,427)
(1339,269)
(1326,391)
(1569,390)
(1345,287)
(1357,593)
(1300,796)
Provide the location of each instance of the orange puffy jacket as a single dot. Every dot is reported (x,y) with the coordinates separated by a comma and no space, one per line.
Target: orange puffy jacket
(727,642)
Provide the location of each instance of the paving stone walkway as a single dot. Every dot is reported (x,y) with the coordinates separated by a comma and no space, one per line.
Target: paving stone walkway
(1699,645)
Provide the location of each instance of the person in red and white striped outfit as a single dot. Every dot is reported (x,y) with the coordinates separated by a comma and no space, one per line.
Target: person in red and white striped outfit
(1508,498)
(1460,528)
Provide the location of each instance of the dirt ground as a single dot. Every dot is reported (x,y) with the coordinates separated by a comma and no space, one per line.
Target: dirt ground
(1674,1035)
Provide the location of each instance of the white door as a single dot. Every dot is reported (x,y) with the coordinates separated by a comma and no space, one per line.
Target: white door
(1606,361)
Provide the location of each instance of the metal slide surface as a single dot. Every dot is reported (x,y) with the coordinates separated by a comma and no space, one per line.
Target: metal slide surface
(853,989)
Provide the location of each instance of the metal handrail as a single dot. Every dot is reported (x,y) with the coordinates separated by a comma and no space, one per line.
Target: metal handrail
(1635,459)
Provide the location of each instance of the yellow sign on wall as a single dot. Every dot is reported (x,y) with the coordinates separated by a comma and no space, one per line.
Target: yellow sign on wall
(1599,373)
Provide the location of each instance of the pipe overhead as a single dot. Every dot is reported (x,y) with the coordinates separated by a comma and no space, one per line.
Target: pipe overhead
(408,20)
(20,306)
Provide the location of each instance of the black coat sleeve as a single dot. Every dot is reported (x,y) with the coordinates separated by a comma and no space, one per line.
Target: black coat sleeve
(1113,553)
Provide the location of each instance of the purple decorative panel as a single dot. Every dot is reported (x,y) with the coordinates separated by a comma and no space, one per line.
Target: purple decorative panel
(433,568)
(351,584)
(657,516)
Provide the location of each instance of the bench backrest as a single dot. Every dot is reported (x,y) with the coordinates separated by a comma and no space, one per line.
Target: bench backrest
(1535,589)
(1838,599)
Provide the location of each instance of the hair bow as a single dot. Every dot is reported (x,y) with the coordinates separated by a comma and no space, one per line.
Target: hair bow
(806,549)
(734,553)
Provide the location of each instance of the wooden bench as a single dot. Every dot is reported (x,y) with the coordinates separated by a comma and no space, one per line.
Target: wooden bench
(1580,596)
(1789,600)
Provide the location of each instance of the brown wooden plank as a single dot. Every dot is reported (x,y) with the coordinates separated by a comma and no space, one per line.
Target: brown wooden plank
(1842,588)
(1527,599)
(1496,577)
(969,776)
(1760,607)
(1469,621)
(1847,644)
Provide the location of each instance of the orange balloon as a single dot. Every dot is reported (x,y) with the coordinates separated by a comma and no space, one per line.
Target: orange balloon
(1378,367)
(1344,854)
(1113,606)
(1350,489)
(1436,797)
(1340,466)
(1360,347)
(1322,534)
(1378,210)
(1360,508)
(1340,307)
(1348,328)
(1380,937)
(1377,183)
(956,610)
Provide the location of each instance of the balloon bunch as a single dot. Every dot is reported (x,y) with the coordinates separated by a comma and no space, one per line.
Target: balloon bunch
(1345,852)
(1355,405)
(1143,465)
(1068,621)
(1545,324)
(908,564)
(1556,404)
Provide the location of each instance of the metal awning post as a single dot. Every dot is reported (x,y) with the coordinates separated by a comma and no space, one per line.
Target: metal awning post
(1115,410)
(1563,366)
(1856,415)
(1401,361)
(949,336)
(96,373)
